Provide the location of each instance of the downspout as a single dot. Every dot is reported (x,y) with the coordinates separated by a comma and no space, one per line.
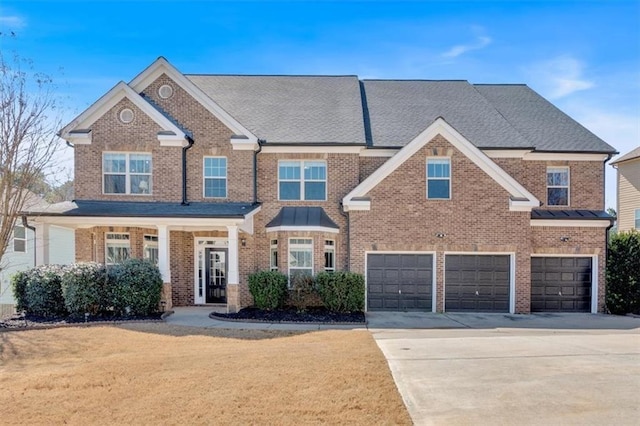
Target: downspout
(255,170)
(25,223)
(611,223)
(347,233)
(184,169)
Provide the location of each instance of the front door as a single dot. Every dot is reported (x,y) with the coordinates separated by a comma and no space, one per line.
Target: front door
(215,275)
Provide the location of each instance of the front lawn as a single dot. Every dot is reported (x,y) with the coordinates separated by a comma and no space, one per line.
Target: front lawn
(162,374)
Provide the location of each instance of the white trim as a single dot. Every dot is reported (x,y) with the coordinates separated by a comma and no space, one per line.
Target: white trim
(439,126)
(301,247)
(244,144)
(150,222)
(568,186)
(512,273)
(433,274)
(330,248)
(572,223)
(529,155)
(114,242)
(302,179)
(196,248)
(162,66)
(108,101)
(311,149)
(383,152)
(506,153)
(434,178)
(594,274)
(204,178)
(79,138)
(128,174)
(303,229)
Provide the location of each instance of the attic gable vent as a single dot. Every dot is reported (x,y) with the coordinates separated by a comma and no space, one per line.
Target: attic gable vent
(126,115)
(165,91)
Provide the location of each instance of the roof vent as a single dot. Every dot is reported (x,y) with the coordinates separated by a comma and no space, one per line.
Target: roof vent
(126,115)
(165,91)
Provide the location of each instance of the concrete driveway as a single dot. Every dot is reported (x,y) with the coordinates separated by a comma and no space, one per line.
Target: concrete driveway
(548,369)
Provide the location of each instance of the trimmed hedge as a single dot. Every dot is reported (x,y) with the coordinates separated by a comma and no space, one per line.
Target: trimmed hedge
(39,291)
(84,286)
(269,289)
(341,291)
(303,291)
(623,273)
(19,282)
(135,287)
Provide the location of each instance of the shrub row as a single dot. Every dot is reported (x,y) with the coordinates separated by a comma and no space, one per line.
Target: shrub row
(623,273)
(131,288)
(338,291)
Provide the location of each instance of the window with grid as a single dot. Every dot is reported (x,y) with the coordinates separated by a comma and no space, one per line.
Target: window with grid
(438,178)
(300,256)
(19,239)
(302,180)
(126,173)
(215,177)
(329,255)
(117,248)
(558,186)
(150,251)
(273,255)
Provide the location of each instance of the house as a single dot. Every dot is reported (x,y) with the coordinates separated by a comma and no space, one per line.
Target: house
(24,246)
(446,195)
(628,187)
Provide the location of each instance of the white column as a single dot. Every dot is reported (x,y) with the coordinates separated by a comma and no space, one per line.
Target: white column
(42,243)
(232,277)
(163,253)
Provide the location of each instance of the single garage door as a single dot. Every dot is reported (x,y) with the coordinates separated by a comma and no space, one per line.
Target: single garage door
(399,282)
(477,283)
(561,284)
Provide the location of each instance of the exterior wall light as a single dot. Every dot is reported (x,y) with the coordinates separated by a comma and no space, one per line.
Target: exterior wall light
(441,235)
(564,239)
(243,241)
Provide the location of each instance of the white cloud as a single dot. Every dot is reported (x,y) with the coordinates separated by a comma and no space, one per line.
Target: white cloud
(12,21)
(480,42)
(561,76)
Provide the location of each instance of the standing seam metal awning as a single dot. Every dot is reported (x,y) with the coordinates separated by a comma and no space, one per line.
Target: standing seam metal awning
(302,219)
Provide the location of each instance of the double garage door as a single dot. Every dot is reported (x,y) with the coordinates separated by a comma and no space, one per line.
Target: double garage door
(476,283)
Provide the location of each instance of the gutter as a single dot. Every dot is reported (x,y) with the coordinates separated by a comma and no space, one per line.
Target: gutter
(255,170)
(25,223)
(184,169)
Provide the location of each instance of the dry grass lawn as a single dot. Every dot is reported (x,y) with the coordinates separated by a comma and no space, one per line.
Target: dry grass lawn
(156,373)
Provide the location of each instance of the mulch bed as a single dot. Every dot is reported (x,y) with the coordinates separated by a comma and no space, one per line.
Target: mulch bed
(310,315)
(18,321)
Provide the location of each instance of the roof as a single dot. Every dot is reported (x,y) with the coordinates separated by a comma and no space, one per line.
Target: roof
(291,109)
(310,218)
(628,156)
(571,214)
(84,208)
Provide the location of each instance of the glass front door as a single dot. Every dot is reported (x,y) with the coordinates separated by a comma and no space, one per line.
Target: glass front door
(215,275)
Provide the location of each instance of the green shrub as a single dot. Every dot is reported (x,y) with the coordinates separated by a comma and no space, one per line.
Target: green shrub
(269,289)
(341,291)
(303,291)
(135,287)
(19,284)
(42,291)
(84,287)
(623,273)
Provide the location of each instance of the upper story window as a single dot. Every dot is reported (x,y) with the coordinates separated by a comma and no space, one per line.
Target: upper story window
(300,256)
(329,255)
(126,173)
(19,239)
(150,252)
(438,178)
(302,180)
(557,186)
(117,248)
(637,224)
(215,177)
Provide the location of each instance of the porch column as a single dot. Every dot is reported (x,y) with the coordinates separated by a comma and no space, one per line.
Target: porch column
(233,277)
(41,244)
(163,253)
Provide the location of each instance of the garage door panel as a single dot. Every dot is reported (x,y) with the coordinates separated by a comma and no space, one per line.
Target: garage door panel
(477,283)
(561,284)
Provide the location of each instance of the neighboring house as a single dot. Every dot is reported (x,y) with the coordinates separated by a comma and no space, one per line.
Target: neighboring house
(22,250)
(447,196)
(628,187)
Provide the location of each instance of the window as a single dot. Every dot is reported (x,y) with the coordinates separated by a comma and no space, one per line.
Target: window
(117,248)
(215,177)
(273,255)
(329,255)
(151,248)
(637,219)
(300,256)
(558,186)
(438,178)
(19,239)
(302,180)
(126,173)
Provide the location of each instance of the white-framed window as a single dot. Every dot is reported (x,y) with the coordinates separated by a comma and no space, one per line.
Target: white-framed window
(300,257)
(126,173)
(558,186)
(637,223)
(19,239)
(302,180)
(273,255)
(438,178)
(329,255)
(150,248)
(215,177)
(117,247)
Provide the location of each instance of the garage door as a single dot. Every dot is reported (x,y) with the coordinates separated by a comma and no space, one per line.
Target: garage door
(560,284)
(477,283)
(399,282)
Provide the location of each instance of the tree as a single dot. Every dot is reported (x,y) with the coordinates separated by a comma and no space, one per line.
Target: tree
(623,273)
(29,119)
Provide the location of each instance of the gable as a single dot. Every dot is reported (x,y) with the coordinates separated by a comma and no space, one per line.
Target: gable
(519,198)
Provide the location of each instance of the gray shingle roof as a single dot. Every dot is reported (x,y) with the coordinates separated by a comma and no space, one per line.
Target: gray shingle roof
(538,120)
(628,156)
(302,217)
(291,109)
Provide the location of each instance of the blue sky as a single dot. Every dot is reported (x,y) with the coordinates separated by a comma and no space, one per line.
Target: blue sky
(584,56)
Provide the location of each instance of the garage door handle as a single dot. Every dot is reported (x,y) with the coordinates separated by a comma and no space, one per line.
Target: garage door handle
(559,293)
(477,294)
